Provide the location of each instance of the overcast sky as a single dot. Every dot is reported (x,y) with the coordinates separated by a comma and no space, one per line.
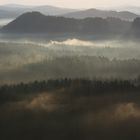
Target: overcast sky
(76,3)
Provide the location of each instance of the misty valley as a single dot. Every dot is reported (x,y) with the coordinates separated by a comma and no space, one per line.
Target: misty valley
(70,75)
(67,58)
(96,103)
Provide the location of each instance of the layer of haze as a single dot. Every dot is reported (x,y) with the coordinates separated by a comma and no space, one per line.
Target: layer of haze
(75,4)
(55,58)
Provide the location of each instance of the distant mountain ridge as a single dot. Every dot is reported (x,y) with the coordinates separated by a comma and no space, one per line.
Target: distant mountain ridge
(124,15)
(35,22)
(133,9)
(13,10)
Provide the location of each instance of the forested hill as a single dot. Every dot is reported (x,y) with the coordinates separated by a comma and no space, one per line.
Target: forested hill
(35,22)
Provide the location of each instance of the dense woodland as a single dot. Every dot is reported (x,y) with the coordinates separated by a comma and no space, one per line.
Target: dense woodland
(75,87)
(70,109)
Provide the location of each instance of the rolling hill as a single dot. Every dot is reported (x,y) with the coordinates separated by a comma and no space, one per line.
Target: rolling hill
(124,15)
(35,22)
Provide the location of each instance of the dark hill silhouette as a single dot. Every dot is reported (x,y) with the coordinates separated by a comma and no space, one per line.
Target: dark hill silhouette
(35,22)
(118,26)
(135,29)
(124,15)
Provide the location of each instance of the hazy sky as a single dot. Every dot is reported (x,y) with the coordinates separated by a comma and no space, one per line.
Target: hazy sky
(76,3)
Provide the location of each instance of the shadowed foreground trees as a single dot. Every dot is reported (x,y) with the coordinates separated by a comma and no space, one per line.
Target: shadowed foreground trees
(71,86)
(68,109)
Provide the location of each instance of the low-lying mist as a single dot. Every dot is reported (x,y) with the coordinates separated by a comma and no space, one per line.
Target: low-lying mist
(4,21)
(28,59)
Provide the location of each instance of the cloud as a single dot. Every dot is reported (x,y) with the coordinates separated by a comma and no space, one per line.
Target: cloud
(72,42)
